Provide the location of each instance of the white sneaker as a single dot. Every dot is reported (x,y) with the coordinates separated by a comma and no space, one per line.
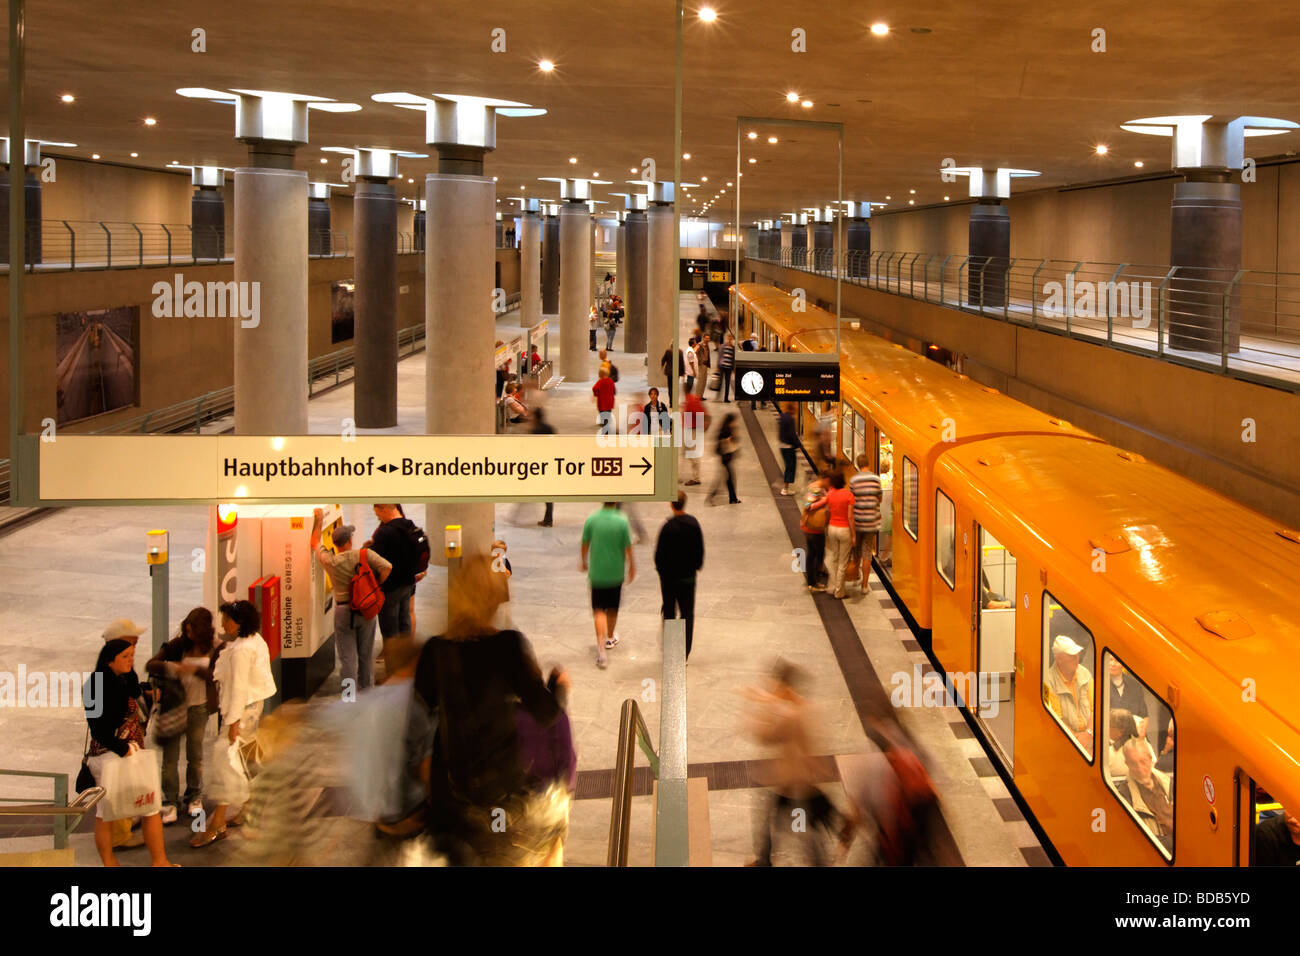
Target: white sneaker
(194,808)
(169,814)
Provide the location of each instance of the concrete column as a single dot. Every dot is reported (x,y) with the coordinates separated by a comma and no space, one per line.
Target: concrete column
(374,226)
(500,232)
(1205,243)
(530,270)
(417,226)
(551,265)
(460,378)
(207,223)
(798,243)
(785,249)
(271,357)
(990,252)
(32,205)
(857,242)
(635,301)
(620,259)
(575,291)
(318,225)
(661,279)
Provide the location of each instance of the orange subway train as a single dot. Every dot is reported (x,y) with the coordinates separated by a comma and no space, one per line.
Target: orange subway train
(1123,639)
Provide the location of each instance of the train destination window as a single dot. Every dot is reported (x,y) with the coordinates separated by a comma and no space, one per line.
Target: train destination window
(1068,691)
(1139,762)
(945,538)
(1274,829)
(910,522)
(997,644)
(885,469)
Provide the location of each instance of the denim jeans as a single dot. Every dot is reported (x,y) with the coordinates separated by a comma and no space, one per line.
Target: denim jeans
(195,724)
(789,456)
(354,646)
(395,616)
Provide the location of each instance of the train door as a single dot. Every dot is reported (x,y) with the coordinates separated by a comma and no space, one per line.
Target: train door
(884,468)
(1267,831)
(995,638)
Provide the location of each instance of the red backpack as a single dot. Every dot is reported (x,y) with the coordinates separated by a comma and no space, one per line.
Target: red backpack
(367,596)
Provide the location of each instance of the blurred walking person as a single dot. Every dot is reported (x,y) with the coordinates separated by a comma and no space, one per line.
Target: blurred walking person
(679,555)
(608,560)
(727,445)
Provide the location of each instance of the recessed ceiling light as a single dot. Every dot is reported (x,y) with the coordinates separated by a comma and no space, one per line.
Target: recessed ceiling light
(911,202)
(68,98)
(150,121)
(1102,149)
(708,14)
(728,184)
(686,155)
(632,170)
(752,159)
(889,197)
(792,97)
(410,180)
(771,139)
(880,29)
(135,155)
(945,198)
(494,179)
(573,159)
(94,155)
(704,179)
(1138,164)
(912,192)
(753,135)
(806,104)
(595,175)
(324,160)
(545,66)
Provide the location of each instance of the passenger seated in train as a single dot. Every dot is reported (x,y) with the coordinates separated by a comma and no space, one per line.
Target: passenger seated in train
(1149,792)
(1122,727)
(1277,840)
(990,598)
(1126,693)
(1067,690)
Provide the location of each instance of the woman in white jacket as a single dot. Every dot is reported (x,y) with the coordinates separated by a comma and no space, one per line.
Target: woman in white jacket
(244,680)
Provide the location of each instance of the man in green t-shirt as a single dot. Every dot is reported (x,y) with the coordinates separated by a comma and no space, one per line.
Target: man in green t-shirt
(606,543)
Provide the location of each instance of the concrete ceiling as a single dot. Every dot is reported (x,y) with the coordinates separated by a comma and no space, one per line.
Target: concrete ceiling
(1001,83)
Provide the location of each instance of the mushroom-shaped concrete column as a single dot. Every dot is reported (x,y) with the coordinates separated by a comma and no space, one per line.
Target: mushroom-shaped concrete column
(1205,223)
(271,256)
(320,218)
(989,245)
(576,340)
(634,233)
(207,211)
(662,264)
(31,198)
(857,237)
(460,281)
(530,261)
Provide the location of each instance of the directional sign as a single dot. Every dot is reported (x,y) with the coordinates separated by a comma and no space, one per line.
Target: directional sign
(216,468)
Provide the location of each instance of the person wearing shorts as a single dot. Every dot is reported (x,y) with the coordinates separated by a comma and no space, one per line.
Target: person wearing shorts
(608,560)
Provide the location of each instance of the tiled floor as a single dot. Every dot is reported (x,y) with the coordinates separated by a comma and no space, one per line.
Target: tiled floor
(66,575)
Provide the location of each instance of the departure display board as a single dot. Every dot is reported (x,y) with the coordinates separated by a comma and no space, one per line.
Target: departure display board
(763,376)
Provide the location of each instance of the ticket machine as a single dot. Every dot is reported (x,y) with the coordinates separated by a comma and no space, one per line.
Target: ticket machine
(247,544)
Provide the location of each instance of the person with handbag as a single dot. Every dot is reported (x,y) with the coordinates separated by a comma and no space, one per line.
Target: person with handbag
(115,716)
(813,521)
(728,446)
(244,680)
(475,682)
(183,668)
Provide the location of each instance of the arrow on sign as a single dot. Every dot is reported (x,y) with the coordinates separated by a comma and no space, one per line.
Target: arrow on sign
(386,468)
(644,466)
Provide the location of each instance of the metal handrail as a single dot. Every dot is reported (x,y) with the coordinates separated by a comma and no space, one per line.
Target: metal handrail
(66,815)
(668,766)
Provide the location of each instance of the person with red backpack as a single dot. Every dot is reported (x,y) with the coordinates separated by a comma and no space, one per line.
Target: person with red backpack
(357,578)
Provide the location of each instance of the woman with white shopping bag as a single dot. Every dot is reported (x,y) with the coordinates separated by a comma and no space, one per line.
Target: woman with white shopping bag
(128,773)
(244,680)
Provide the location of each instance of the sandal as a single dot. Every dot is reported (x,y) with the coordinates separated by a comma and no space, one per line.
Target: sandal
(602,661)
(208,837)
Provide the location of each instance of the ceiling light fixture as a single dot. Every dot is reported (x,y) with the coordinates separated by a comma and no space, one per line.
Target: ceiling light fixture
(879,29)
(889,197)
(94,155)
(708,14)
(806,104)
(135,155)
(792,97)
(704,179)
(912,192)
(772,140)
(686,155)
(1102,149)
(753,135)
(546,66)
(68,98)
(752,159)
(945,198)
(573,159)
(911,202)
(1138,164)
(150,121)
(324,160)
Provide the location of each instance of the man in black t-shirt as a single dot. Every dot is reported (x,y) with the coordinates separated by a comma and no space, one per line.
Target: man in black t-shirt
(393,542)
(679,555)
(1277,841)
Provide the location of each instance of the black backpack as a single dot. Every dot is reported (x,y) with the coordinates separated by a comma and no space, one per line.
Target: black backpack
(417,543)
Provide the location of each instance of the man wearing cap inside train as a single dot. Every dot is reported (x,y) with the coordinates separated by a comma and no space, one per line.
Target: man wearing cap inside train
(1067,690)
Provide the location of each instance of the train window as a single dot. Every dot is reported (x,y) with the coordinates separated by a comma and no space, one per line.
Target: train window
(1068,655)
(997,644)
(1274,830)
(884,468)
(945,538)
(850,440)
(910,505)
(1139,764)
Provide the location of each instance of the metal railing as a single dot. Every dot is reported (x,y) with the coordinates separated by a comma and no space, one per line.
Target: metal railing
(68,245)
(65,816)
(668,766)
(1244,324)
(325,371)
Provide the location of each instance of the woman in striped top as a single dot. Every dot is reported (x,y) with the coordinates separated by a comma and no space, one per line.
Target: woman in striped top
(866,489)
